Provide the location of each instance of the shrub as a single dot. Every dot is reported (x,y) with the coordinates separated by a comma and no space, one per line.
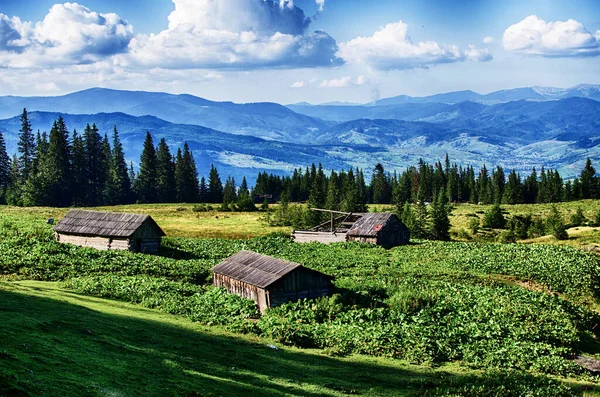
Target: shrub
(474,224)
(555,225)
(507,236)
(578,218)
(519,225)
(494,218)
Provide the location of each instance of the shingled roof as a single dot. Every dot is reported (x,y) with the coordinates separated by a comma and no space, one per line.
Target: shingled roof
(370,224)
(255,269)
(103,224)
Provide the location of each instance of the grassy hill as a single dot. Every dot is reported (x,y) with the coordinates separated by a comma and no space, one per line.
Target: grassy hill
(430,318)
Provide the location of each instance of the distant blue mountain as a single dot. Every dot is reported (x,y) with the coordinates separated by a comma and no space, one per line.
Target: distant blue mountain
(515,128)
(267,120)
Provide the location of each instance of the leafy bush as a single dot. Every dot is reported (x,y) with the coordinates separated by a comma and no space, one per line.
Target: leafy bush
(494,219)
(474,224)
(578,218)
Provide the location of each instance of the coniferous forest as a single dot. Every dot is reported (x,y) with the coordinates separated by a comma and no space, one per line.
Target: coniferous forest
(88,168)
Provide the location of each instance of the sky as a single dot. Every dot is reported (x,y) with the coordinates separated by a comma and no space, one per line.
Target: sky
(291,51)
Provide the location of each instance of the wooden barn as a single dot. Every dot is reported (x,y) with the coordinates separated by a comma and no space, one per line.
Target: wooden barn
(110,231)
(269,281)
(379,228)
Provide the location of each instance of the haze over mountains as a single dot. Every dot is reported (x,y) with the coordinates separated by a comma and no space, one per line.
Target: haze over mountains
(518,128)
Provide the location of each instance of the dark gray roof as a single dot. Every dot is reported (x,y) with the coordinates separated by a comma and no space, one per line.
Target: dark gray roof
(255,269)
(371,223)
(104,224)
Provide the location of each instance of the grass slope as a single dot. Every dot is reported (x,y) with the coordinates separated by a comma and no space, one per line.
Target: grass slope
(56,342)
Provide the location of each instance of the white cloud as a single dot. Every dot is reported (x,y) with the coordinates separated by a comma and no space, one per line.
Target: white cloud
(236,34)
(343,82)
(535,36)
(478,54)
(391,48)
(298,84)
(488,40)
(321,4)
(68,34)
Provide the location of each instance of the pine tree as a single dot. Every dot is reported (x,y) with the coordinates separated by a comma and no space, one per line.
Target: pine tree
(316,198)
(421,224)
(4,170)
(333,201)
(118,184)
(229,194)
(588,181)
(186,177)
(26,147)
(145,183)
(95,165)
(165,174)
(380,187)
(14,194)
(513,189)
(51,184)
(494,218)
(215,186)
(204,190)
(244,201)
(79,170)
(440,221)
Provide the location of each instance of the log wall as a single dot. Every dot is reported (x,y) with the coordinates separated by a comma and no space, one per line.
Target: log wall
(325,238)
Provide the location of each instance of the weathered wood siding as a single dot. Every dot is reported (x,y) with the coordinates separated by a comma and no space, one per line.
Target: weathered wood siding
(99,243)
(242,289)
(325,238)
(300,284)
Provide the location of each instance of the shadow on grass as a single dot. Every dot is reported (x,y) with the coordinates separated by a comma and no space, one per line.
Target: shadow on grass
(53,347)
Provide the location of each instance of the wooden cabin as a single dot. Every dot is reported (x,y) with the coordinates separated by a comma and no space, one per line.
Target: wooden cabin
(269,281)
(110,231)
(379,228)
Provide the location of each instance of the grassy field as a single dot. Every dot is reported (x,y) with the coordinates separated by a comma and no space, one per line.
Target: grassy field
(430,318)
(56,342)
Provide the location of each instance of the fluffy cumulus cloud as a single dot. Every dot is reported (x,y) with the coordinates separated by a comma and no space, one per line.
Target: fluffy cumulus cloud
(298,84)
(391,48)
(321,4)
(235,34)
(343,82)
(488,40)
(68,34)
(535,36)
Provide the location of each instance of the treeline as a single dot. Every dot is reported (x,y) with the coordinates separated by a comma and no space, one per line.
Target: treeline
(423,183)
(63,169)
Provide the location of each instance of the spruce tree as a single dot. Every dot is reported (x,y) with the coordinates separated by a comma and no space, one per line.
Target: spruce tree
(165,174)
(333,200)
(118,184)
(215,186)
(4,170)
(26,147)
(204,190)
(145,183)
(79,170)
(51,185)
(186,176)
(588,181)
(229,194)
(380,187)
(440,221)
(244,200)
(95,165)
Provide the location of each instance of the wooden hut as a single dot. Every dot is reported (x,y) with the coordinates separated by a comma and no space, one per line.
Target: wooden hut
(379,228)
(110,231)
(269,281)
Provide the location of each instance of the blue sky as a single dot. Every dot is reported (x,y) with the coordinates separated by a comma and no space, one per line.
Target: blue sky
(301,50)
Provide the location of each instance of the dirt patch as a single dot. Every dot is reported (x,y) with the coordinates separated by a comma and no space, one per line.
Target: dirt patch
(588,363)
(592,248)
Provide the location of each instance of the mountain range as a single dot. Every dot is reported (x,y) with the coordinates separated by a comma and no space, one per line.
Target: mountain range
(518,128)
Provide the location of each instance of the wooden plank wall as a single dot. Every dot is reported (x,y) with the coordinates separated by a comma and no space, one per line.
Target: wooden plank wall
(242,289)
(99,243)
(325,238)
